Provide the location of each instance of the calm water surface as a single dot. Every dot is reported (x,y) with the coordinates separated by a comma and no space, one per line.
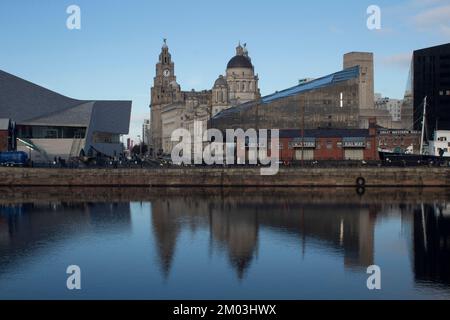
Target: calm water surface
(224,244)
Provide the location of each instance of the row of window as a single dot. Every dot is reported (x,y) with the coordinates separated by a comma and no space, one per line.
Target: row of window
(446,92)
(330,145)
(101,137)
(44,132)
(242,86)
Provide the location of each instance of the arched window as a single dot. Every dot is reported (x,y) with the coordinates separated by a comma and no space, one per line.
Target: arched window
(243,87)
(221,96)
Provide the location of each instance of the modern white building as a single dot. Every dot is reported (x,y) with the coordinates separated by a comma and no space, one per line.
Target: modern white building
(440,145)
(146,132)
(393,106)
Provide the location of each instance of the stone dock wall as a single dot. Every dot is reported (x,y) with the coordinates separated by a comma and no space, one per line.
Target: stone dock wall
(228,177)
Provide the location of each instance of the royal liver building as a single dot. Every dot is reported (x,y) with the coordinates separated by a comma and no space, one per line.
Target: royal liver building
(172,108)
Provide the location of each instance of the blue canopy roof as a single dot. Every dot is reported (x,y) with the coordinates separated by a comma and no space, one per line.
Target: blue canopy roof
(344,75)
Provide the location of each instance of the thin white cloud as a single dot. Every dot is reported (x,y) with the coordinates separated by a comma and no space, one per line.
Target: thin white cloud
(430,16)
(426,3)
(336,30)
(434,19)
(139,117)
(445,30)
(385,31)
(402,60)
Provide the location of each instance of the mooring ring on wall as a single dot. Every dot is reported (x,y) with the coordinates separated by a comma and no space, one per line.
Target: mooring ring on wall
(360,182)
(360,191)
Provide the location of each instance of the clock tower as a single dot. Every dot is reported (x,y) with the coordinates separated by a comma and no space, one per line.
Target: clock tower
(165,91)
(163,84)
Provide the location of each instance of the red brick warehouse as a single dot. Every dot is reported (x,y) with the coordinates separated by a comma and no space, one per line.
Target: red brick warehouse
(7,136)
(329,144)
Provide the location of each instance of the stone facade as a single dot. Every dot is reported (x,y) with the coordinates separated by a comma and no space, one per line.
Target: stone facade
(366,90)
(217,177)
(365,62)
(172,108)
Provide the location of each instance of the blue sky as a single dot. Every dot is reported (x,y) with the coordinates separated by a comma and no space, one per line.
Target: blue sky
(113,56)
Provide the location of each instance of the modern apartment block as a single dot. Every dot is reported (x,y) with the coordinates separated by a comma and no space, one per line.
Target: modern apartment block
(431,79)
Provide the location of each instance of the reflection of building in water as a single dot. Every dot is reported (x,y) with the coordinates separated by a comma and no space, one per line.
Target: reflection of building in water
(25,227)
(166,229)
(349,229)
(167,225)
(432,244)
(235,227)
(236,232)
(113,215)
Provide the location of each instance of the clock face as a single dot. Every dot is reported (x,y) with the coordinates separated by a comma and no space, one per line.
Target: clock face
(166,73)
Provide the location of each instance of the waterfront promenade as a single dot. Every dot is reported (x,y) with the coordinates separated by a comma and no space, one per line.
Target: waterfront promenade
(229,177)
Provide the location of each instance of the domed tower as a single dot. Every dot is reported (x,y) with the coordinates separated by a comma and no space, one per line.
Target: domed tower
(241,79)
(219,95)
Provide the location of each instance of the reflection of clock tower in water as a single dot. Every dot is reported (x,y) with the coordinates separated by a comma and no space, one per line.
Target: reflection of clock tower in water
(165,91)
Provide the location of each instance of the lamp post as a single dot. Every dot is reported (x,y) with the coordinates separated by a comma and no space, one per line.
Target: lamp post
(140,146)
(303,131)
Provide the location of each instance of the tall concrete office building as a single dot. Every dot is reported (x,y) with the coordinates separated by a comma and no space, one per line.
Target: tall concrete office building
(366,89)
(366,77)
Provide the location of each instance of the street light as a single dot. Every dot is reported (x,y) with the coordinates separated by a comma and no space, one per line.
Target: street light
(140,146)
